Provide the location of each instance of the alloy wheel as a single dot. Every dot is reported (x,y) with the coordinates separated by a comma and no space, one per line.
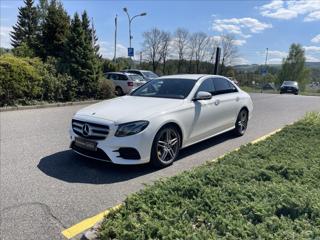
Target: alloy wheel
(168,145)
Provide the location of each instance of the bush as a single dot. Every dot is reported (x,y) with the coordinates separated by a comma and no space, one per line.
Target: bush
(269,190)
(106,89)
(19,79)
(25,80)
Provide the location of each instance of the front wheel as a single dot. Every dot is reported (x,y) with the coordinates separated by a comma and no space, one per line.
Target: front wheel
(165,148)
(241,123)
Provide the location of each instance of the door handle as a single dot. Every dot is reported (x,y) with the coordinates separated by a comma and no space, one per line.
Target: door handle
(217,102)
(237,99)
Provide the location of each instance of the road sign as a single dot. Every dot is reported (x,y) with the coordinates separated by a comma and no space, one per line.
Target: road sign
(130,52)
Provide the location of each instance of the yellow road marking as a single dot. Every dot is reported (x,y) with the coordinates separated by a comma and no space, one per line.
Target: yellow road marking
(90,222)
(87,223)
(252,142)
(266,136)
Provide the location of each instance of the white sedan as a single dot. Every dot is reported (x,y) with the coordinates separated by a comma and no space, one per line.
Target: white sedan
(159,118)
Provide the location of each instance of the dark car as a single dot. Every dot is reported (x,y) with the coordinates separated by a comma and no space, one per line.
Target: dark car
(289,87)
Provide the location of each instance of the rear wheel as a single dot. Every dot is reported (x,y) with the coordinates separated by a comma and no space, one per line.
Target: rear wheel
(165,148)
(241,123)
(119,91)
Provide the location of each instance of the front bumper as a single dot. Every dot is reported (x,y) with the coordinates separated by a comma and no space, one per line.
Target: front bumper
(131,150)
(289,90)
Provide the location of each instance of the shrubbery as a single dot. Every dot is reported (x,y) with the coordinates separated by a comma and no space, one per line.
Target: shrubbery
(24,80)
(269,190)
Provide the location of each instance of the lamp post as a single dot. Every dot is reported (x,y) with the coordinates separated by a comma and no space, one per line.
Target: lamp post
(130,21)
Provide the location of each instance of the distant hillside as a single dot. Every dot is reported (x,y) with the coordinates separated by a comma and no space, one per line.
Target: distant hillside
(254,67)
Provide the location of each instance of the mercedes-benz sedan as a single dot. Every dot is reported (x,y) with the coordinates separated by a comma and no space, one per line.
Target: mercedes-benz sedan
(159,118)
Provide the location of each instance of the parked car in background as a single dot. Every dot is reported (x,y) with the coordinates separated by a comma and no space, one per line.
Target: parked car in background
(289,87)
(156,120)
(125,82)
(147,75)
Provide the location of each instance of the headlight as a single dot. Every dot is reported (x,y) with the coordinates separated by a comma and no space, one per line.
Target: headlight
(131,128)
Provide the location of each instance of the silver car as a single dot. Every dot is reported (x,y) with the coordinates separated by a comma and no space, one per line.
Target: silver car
(125,82)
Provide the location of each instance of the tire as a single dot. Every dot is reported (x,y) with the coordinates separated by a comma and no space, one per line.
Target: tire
(164,153)
(241,123)
(119,91)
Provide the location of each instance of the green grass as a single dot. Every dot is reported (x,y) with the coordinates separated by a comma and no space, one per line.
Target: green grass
(269,190)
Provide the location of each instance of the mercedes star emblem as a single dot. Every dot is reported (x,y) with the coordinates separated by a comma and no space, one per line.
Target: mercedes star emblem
(85,130)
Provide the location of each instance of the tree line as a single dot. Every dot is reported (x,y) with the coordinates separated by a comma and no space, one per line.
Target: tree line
(194,52)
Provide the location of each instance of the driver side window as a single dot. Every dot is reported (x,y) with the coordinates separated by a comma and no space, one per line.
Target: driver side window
(207,86)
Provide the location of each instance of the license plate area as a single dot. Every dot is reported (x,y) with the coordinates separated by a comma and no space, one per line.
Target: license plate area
(85,144)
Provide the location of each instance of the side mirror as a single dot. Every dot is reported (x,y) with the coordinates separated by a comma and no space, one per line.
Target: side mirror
(202,96)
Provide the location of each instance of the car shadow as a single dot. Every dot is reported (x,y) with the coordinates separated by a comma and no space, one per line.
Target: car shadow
(71,167)
(201,146)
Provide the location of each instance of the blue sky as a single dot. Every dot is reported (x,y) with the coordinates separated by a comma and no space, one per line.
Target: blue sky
(256,25)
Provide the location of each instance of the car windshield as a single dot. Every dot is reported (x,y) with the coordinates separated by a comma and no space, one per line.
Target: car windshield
(149,74)
(290,83)
(136,77)
(166,88)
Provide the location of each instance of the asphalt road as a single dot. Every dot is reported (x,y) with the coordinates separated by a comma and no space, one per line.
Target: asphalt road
(46,188)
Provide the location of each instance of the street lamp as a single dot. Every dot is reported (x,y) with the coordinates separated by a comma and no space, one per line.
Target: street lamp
(130,20)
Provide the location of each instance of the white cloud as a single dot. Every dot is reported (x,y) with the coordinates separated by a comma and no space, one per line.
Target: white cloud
(280,9)
(310,58)
(5,36)
(312,49)
(239,42)
(107,50)
(316,39)
(314,16)
(240,61)
(240,26)
(274,54)
(275,60)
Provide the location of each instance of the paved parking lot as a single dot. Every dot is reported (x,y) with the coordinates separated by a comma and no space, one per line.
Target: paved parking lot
(46,188)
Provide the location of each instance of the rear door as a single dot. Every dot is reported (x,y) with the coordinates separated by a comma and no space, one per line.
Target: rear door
(227,103)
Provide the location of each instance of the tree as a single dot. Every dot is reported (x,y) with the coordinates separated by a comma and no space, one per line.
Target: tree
(81,59)
(152,46)
(293,66)
(229,51)
(165,44)
(25,29)
(181,41)
(200,43)
(55,30)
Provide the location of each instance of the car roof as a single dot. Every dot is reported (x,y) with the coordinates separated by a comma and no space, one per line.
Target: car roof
(138,70)
(122,73)
(189,76)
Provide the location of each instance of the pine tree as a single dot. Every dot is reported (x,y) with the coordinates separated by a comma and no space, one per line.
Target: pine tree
(25,29)
(55,30)
(81,57)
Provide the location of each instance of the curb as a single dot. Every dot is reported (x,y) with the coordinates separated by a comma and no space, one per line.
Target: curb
(49,105)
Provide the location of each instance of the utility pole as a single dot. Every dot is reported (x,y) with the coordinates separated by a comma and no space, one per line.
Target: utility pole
(115,38)
(267,50)
(216,65)
(140,59)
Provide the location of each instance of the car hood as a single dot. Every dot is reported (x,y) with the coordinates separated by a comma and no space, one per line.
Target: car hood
(129,108)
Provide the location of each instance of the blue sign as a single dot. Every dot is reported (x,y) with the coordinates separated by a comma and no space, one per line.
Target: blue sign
(130,52)
(264,71)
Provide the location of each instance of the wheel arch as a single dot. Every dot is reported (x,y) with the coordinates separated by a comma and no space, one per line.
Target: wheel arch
(175,125)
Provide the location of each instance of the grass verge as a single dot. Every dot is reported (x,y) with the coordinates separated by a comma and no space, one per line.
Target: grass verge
(269,190)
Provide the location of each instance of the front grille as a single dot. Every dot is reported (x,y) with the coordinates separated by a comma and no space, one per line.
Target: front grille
(96,131)
(99,154)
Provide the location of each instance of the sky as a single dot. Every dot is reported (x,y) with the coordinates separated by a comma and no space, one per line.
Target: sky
(256,25)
